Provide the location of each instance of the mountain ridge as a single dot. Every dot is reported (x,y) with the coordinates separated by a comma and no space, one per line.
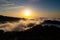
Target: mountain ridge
(4,19)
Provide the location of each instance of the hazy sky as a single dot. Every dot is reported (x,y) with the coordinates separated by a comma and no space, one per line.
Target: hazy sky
(42,8)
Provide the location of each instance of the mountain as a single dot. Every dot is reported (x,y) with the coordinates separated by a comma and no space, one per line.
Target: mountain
(4,19)
(51,23)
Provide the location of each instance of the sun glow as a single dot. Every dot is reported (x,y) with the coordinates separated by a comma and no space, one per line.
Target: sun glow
(27,13)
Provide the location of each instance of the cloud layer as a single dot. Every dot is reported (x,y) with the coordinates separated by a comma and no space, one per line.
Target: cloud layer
(18,26)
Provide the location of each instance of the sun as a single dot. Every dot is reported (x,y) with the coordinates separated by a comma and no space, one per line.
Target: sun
(27,13)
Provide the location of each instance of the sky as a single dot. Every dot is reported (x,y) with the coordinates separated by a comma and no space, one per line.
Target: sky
(38,8)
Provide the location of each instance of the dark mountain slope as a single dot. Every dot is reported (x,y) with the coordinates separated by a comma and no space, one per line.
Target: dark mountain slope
(4,19)
(51,22)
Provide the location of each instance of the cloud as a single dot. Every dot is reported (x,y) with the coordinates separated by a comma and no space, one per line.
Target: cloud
(17,1)
(4,2)
(7,4)
(14,3)
(17,26)
(33,0)
(10,6)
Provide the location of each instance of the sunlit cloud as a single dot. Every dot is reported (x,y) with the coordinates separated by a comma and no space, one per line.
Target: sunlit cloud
(22,25)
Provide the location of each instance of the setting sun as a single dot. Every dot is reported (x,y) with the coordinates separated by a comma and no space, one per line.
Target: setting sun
(27,13)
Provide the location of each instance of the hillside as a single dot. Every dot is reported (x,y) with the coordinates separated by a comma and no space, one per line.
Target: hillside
(4,19)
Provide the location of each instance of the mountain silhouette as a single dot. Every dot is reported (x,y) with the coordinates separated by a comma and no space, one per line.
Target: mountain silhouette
(4,19)
(51,22)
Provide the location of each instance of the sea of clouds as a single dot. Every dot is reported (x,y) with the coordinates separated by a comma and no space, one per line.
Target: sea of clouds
(21,25)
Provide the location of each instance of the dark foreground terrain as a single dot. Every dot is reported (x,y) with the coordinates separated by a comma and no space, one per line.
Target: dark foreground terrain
(38,32)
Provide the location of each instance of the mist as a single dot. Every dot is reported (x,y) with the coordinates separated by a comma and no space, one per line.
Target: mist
(21,25)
